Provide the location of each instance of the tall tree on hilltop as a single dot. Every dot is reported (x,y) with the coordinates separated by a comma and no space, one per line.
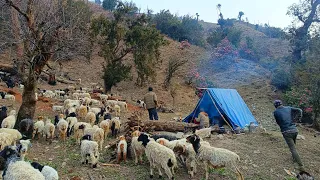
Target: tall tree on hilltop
(122,35)
(109,4)
(307,12)
(240,15)
(50,30)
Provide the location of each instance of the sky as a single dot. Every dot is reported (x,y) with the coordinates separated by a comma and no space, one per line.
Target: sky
(257,11)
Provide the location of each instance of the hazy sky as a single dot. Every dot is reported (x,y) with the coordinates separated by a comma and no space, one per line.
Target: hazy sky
(257,11)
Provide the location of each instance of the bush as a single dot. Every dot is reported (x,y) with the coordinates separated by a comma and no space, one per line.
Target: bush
(179,28)
(301,98)
(281,79)
(218,34)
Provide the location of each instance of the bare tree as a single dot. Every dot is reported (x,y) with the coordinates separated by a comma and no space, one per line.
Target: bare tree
(307,12)
(49,30)
(173,66)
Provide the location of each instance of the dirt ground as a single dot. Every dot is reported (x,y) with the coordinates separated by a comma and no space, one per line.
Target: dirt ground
(263,155)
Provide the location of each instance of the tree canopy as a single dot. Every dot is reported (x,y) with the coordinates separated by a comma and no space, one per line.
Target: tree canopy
(122,35)
(109,4)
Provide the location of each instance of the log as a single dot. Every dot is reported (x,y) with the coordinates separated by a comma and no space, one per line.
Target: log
(170,126)
(8,68)
(65,81)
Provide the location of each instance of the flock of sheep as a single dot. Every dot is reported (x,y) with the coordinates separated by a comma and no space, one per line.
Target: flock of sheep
(89,121)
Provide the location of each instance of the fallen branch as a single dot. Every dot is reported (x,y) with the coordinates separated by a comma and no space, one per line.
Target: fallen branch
(112,165)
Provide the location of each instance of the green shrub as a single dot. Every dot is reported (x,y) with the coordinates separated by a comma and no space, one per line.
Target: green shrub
(281,79)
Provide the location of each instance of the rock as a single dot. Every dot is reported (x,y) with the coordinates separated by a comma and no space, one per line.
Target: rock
(301,137)
(35,159)
(256,152)
(220,136)
(56,147)
(63,164)
(255,166)
(50,159)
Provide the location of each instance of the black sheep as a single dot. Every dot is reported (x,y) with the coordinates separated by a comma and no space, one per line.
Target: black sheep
(9,83)
(56,120)
(304,176)
(3,113)
(168,137)
(107,116)
(26,128)
(2,94)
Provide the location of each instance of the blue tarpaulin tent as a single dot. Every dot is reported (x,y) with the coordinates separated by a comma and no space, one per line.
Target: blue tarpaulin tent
(225,102)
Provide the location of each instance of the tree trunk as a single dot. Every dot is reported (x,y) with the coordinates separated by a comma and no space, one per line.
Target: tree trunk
(16,28)
(316,121)
(170,126)
(28,106)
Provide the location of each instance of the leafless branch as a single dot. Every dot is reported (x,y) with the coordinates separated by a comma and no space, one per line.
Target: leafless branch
(10,3)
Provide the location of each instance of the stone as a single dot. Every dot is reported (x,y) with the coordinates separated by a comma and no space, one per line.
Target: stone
(220,136)
(300,137)
(256,152)
(63,164)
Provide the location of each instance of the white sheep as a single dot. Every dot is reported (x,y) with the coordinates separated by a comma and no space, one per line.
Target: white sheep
(22,170)
(103,97)
(105,125)
(84,95)
(141,104)
(71,122)
(95,102)
(204,133)
(5,140)
(49,94)
(23,148)
(48,172)
(76,96)
(123,105)
(159,156)
(72,110)
(82,112)
(86,101)
(90,118)
(15,134)
(59,93)
(10,97)
(122,149)
(137,147)
(117,110)
(98,136)
(95,110)
(49,129)
(58,109)
(111,103)
(115,126)
(186,151)
(215,157)
(62,128)
(171,144)
(79,128)
(38,129)
(71,103)
(90,130)
(9,121)
(91,149)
